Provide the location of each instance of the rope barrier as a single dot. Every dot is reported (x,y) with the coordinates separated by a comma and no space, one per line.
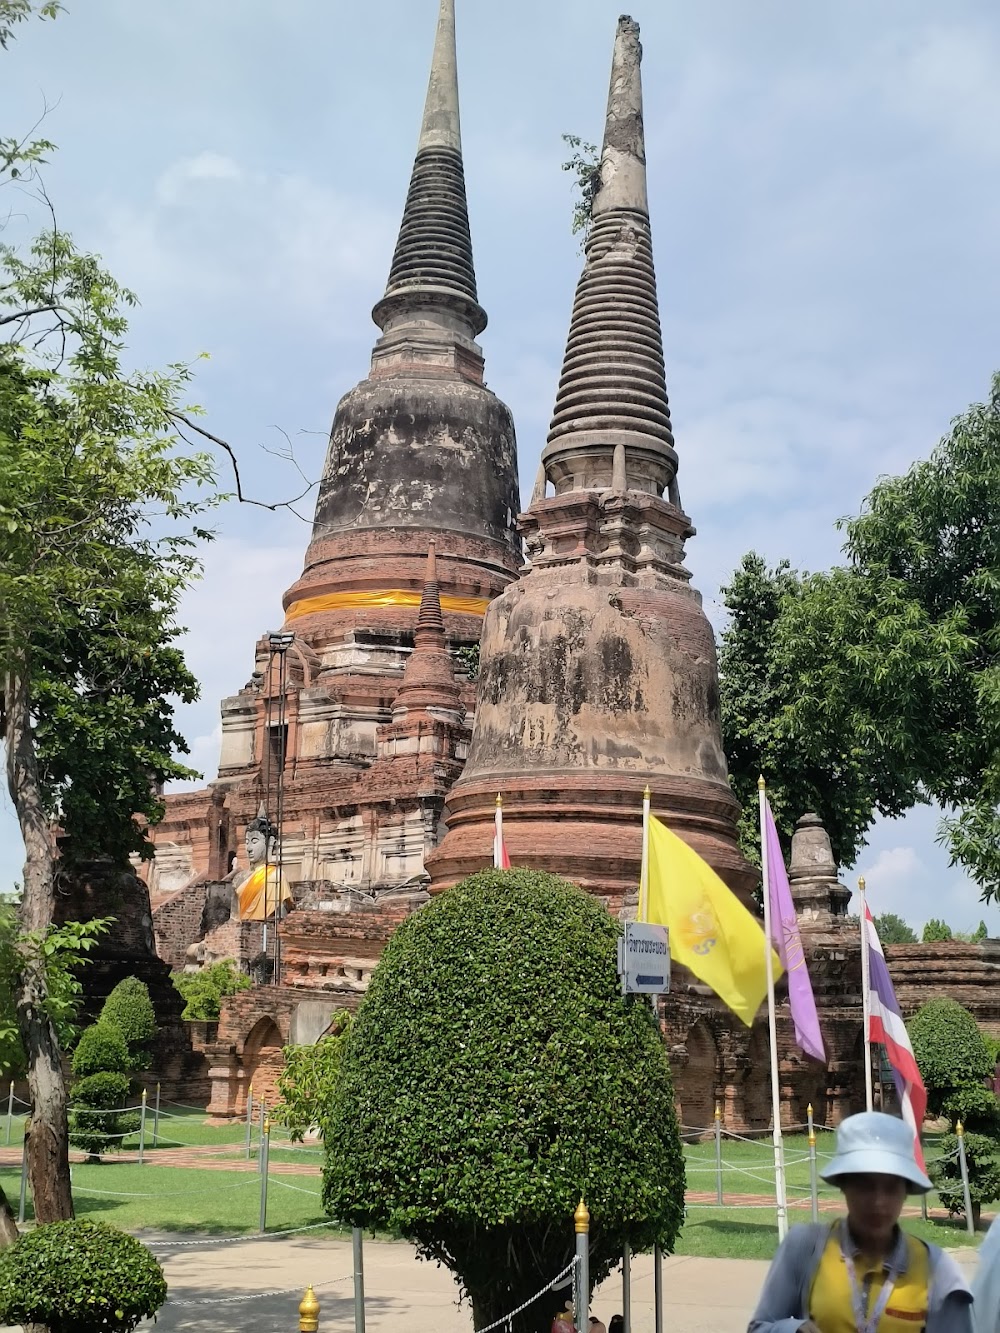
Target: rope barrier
(236,1240)
(507,1320)
(260,1295)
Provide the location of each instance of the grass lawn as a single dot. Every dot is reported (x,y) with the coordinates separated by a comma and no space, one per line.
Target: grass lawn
(169,1198)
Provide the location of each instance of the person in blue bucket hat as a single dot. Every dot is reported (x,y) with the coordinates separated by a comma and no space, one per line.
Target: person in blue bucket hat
(862,1273)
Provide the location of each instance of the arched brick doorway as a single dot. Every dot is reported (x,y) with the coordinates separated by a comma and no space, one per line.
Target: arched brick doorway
(697,1080)
(262,1060)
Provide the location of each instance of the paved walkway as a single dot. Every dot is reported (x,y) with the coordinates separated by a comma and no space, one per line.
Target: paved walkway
(256,1286)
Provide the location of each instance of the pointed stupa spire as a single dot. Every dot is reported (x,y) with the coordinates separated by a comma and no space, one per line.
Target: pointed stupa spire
(429,678)
(613,390)
(432,268)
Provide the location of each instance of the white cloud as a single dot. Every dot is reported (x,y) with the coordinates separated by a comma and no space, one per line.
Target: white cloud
(212,231)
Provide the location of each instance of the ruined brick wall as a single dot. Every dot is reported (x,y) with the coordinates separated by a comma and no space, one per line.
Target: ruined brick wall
(177,923)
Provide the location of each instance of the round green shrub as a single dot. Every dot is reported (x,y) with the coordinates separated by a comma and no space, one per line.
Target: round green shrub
(977,1108)
(101,1049)
(79,1277)
(129,1009)
(984,1174)
(97,1122)
(492,1076)
(949,1049)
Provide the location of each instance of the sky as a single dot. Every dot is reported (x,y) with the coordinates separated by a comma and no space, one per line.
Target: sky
(825,202)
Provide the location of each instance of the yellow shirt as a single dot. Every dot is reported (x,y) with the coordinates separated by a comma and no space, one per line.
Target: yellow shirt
(830,1301)
(258,903)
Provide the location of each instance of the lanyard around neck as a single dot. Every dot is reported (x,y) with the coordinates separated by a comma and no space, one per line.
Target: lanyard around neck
(864,1322)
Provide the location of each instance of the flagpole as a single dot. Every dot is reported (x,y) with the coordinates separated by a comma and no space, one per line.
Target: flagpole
(866,1001)
(772,1030)
(498,834)
(644,863)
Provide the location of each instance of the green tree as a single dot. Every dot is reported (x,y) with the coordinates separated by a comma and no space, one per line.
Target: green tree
(494,1074)
(304,1084)
(949,1049)
(875,686)
(980,933)
(892,929)
(97,525)
(936,931)
(204,991)
(16,11)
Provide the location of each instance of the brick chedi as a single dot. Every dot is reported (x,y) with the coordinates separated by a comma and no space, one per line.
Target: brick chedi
(598,667)
(362,714)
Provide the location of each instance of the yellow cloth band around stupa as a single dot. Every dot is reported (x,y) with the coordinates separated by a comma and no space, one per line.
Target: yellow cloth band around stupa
(363,601)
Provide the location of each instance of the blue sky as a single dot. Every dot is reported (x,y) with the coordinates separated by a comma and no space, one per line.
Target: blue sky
(825,198)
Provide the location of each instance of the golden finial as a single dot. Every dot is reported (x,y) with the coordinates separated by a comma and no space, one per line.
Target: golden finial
(809,1110)
(647,793)
(267,1126)
(861,883)
(309,1308)
(499,801)
(582,1218)
(718,1111)
(960,1129)
(761,784)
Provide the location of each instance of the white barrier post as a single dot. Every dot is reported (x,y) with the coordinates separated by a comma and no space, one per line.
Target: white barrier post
(718,1155)
(813,1180)
(970,1224)
(24,1173)
(142,1128)
(10,1108)
(249,1120)
(627,1289)
(264,1143)
(357,1246)
(658,1289)
(263,1121)
(581,1221)
(156,1117)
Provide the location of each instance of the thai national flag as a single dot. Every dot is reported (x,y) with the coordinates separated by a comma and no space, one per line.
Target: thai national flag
(885,1025)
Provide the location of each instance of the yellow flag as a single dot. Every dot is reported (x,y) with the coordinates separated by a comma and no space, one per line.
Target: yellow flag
(711,932)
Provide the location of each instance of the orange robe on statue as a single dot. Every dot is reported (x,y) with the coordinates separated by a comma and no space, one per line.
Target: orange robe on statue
(258,900)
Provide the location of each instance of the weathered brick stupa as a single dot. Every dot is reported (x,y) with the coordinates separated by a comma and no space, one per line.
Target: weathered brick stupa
(355,705)
(598,668)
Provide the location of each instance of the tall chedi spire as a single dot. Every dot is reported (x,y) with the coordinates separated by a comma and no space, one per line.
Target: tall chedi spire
(598,670)
(421,447)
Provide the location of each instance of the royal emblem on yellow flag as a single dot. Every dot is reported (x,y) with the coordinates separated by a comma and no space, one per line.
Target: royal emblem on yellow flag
(711,933)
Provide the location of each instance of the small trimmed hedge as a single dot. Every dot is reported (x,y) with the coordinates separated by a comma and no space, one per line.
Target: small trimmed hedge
(79,1277)
(949,1049)
(129,1009)
(100,1050)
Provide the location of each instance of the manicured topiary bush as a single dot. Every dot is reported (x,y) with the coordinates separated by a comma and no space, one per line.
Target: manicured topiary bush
(950,1050)
(100,1090)
(129,1009)
(79,1277)
(101,1049)
(984,1173)
(494,1074)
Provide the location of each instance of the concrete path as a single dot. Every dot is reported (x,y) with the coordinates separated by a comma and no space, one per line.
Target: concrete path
(209,1286)
(702,1295)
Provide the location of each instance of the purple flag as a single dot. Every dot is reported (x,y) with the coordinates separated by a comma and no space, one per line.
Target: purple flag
(788,945)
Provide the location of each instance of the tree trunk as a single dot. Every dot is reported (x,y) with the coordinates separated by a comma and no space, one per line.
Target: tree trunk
(48,1130)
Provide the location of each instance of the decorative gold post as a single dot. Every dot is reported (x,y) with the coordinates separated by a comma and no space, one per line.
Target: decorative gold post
(309,1308)
(718,1154)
